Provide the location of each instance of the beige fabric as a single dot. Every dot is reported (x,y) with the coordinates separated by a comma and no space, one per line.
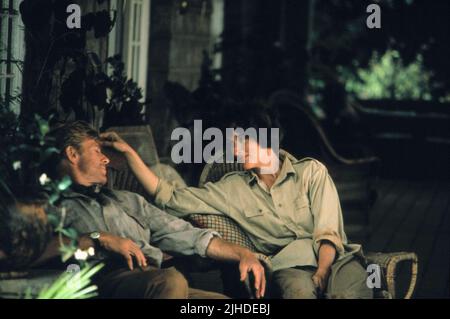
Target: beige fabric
(151,283)
(347,281)
(286,222)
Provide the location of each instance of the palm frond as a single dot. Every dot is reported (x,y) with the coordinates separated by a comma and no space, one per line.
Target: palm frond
(73,285)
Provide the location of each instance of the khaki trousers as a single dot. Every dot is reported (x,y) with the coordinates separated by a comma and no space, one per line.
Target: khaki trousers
(347,281)
(151,283)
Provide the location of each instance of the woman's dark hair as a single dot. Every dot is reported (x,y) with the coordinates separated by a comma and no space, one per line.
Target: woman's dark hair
(252,114)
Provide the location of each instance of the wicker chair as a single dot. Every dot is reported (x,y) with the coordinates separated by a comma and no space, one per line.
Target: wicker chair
(120,177)
(388,262)
(196,269)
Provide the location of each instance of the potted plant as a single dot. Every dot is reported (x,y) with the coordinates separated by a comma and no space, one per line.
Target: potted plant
(104,100)
(26,191)
(24,227)
(28,218)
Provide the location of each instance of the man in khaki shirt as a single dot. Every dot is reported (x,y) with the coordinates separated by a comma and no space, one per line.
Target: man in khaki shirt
(293,216)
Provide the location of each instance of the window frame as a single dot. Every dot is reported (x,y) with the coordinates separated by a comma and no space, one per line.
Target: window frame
(12,53)
(121,40)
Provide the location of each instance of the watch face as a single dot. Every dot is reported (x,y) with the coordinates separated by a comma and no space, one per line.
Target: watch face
(95,235)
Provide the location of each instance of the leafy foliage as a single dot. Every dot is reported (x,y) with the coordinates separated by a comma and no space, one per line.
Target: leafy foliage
(24,178)
(88,91)
(408,54)
(25,164)
(26,151)
(73,285)
(124,104)
(387,77)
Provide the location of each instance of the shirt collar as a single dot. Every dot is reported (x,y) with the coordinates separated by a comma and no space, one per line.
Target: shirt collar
(287,169)
(72,194)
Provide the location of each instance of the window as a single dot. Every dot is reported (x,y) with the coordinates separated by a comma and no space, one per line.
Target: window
(12,49)
(217,26)
(130,37)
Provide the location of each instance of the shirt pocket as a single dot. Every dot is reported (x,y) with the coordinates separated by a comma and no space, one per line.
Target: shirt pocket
(141,229)
(253,212)
(138,219)
(302,209)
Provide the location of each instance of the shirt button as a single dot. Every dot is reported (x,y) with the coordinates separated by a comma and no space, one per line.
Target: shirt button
(279,205)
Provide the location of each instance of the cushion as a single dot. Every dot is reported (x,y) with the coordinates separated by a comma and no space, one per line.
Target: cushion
(225,226)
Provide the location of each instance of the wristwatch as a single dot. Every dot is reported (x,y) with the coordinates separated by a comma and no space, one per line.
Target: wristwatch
(95,236)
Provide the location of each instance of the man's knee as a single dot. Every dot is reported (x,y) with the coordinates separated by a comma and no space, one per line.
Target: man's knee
(297,291)
(350,282)
(293,284)
(358,290)
(173,277)
(167,284)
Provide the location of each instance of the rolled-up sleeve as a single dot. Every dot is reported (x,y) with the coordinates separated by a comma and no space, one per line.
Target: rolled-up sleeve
(326,209)
(181,202)
(164,192)
(175,235)
(203,242)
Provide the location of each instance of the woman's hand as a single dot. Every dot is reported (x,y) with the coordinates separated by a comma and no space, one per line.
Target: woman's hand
(320,279)
(113,140)
(145,176)
(327,255)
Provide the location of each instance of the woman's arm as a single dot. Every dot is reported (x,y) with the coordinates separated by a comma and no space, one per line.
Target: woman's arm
(211,199)
(329,236)
(327,255)
(326,209)
(145,176)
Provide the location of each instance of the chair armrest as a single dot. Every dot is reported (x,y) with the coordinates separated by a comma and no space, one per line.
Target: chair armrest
(389,263)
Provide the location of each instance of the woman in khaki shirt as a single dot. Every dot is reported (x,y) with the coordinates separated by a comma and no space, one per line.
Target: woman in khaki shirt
(293,215)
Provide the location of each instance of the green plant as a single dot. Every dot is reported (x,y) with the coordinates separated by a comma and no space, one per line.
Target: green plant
(26,151)
(101,99)
(124,97)
(28,216)
(27,193)
(72,285)
(387,77)
(57,52)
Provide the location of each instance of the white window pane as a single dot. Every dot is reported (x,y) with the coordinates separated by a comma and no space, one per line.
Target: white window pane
(135,21)
(138,22)
(136,54)
(135,45)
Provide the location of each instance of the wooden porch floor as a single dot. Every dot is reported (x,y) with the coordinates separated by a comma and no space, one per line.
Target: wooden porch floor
(415,216)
